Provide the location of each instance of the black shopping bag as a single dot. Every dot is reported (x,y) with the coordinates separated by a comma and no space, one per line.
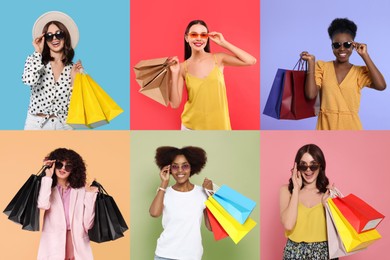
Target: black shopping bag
(23,207)
(109,223)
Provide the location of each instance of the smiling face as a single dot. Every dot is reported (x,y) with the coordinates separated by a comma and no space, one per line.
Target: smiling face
(180,169)
(342,54)
(308,175)
(55,45)
(197,37)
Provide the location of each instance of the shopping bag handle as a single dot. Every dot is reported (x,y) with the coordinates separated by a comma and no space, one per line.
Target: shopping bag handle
(41,172)
(335,193)
(99,186)
(302,65)
(214,190)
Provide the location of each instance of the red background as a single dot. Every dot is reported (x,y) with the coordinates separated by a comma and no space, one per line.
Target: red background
(157,30)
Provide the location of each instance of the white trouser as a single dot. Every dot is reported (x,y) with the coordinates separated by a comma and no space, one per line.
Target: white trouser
(33,122)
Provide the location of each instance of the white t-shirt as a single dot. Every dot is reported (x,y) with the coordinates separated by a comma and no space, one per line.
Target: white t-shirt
(181,220)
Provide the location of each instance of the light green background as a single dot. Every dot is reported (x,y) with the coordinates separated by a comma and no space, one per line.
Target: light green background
(233,159)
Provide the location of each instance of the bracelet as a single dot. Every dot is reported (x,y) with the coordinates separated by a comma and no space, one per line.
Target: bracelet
(160,188)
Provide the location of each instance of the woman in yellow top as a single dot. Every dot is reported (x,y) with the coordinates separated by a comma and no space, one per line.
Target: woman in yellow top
(340,82)
(302,209)
(207,106)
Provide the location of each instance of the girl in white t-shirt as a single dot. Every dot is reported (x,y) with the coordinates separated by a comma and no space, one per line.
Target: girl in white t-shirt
(181,205)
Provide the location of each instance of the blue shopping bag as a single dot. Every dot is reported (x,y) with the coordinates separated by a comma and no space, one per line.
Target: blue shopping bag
(236,204)
(274,101)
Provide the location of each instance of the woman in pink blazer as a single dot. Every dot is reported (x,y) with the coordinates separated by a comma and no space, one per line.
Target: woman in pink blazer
(69,206)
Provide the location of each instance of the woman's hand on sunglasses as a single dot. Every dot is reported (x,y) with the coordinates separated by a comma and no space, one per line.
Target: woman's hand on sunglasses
(217,37)
(165,175)
(38,43)
(360,48)
(50,167)
(296,177)
(306,56)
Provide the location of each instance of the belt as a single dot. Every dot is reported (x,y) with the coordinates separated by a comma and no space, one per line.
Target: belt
(44,115)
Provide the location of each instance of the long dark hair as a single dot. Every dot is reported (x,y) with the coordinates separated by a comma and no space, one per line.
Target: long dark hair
(78,176)
(195,156)
(317,154)
(187,48)
(68,50)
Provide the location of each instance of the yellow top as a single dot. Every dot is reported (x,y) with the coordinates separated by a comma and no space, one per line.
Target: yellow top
(310,226)
(207,105)
(340,102)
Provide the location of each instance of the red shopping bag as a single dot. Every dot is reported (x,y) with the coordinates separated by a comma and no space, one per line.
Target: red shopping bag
(359,214)
(294,104)
(218,231)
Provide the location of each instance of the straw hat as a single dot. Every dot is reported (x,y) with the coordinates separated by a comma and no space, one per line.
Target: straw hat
(60,17)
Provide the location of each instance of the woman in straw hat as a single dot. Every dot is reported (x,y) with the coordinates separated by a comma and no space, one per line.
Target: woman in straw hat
(49,71)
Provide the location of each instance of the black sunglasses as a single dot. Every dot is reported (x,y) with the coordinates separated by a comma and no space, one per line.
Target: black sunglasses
(304,167)
(59,35)
(346,45)
(59,165)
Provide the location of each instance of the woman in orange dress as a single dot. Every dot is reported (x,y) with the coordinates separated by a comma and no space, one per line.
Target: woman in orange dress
(340,82)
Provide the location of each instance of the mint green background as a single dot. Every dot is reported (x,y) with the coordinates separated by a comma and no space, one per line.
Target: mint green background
(233,159)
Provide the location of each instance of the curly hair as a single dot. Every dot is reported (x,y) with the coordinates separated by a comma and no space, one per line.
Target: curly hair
(342,25)
(195,156)
(68,50)
(78,176)
(187,47)
(317,154)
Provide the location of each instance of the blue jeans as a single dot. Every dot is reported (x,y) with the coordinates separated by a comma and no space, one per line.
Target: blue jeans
(156,257)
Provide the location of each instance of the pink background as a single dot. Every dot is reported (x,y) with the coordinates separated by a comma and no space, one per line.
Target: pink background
(357,162)
(157,30)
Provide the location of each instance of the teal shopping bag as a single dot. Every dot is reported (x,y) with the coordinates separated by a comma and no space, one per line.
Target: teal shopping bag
(236,204)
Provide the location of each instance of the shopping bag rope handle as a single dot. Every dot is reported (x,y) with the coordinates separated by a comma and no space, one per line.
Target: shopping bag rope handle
(301,63)
(211,192)
(100,187)
(334,192)
(41,172)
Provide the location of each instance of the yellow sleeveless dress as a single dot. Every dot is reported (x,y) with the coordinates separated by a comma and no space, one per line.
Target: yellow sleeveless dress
(207,105)
(310,226)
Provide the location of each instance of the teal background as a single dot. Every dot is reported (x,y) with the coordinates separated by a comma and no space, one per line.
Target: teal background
(104,49)
(233,159)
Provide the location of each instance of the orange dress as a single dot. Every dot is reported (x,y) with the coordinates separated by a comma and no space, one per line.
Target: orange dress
(340,102)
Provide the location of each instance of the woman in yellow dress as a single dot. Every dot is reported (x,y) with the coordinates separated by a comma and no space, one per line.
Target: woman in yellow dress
(202,71)
(340,82)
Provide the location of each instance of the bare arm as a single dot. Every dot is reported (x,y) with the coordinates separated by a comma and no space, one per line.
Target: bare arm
(176,83)
(378,81)
(157,206)
(311,89)
(239,57)
(289,202)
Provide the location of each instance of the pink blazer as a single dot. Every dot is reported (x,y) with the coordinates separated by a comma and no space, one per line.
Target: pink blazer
(81,216)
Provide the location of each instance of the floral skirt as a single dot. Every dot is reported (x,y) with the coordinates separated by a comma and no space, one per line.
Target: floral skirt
(307,251)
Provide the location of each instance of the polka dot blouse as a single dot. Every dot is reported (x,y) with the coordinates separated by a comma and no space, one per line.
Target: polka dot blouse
(47,97)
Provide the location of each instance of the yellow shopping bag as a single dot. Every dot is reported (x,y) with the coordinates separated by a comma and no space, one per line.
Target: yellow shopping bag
(351,239)
(76,115)
(235,230)
(90,106)
(110,108)
(94,115)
